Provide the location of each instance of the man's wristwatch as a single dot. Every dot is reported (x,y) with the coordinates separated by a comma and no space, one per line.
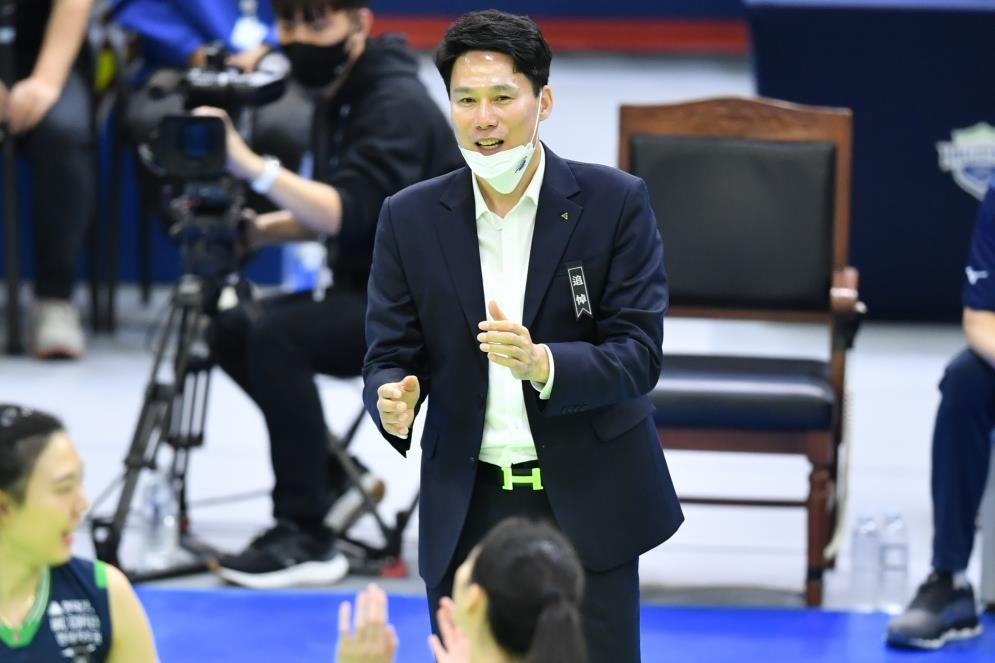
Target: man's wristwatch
(271,168)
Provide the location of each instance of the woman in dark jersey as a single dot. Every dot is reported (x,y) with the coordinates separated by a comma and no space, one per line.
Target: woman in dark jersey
(55,607)
(515,598)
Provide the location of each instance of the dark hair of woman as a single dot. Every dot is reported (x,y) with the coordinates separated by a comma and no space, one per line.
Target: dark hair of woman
(534,584)
(24,433)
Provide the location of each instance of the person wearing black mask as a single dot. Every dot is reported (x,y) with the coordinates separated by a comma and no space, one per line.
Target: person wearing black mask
(375,131)
(174,35)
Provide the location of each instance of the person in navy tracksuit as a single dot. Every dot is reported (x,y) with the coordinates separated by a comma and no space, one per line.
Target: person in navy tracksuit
(944,607)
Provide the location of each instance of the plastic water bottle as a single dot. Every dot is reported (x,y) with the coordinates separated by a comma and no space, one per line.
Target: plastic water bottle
(161,521)
(865,557)
(894,585)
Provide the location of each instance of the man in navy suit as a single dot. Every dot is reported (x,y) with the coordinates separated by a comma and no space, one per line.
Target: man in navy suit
(525,294)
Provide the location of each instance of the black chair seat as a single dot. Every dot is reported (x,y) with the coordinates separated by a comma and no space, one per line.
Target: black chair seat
(746,393)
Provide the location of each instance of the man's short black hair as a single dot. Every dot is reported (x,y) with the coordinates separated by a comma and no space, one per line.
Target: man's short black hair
(309,10)
(491,30)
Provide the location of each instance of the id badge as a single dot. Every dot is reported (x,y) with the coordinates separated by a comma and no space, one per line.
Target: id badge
(578,290)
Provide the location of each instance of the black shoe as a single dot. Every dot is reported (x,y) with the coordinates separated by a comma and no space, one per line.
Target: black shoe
(285,556)
(938,613)
(349,505)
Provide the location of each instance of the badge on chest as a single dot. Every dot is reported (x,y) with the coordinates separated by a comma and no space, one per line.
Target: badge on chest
(578,290)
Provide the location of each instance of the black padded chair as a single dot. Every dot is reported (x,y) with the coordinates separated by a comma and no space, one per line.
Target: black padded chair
(753,202)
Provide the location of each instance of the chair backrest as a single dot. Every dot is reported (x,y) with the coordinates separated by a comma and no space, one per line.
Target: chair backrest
(752,198)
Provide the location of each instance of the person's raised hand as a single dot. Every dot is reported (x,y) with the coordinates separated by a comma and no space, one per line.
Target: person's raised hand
(509,344)
(396,403)
(371,639)
(453,647)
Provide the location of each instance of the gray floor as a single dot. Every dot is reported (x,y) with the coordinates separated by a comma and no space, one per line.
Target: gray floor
(721,555)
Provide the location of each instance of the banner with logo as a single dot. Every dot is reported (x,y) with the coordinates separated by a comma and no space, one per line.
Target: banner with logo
(918,77)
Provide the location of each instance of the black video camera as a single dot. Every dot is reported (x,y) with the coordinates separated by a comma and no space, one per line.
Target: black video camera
(189,147)
(202,204)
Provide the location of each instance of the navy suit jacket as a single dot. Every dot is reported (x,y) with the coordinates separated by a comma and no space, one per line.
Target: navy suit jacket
(602,465)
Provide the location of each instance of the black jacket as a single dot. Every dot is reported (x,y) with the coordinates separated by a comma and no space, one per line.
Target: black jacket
(383,132)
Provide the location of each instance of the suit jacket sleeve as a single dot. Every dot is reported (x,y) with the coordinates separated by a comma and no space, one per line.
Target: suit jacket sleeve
(394,339)
(624,361)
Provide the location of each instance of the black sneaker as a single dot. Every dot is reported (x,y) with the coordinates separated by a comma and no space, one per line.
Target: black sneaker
(285,556)
(938,613)
(349,505)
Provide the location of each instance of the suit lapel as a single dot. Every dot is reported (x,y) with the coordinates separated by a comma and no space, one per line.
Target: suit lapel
(457,236)
(556,218)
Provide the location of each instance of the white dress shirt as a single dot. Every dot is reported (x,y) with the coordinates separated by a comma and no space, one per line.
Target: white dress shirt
(505,247)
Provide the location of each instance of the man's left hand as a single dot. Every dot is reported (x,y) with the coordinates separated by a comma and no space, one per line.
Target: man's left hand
(510,344)
(28,101)
(242,161)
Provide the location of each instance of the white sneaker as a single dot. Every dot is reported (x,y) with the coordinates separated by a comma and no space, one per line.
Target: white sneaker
(56,330)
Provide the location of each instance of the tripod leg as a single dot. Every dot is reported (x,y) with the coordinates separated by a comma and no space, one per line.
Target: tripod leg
(107,532)
(15,344)
(142,451)
(8,36)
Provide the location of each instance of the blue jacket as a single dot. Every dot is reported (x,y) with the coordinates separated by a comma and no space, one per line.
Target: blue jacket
(169,31)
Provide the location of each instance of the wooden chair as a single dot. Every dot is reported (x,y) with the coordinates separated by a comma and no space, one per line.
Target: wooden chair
(753,201)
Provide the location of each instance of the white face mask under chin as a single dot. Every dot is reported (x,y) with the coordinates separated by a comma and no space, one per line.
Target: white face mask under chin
(503,170)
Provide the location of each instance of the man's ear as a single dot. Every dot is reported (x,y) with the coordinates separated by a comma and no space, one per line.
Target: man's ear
(545,102)
(364,21)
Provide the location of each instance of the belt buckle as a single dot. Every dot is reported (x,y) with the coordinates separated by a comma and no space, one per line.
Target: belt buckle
(534,479)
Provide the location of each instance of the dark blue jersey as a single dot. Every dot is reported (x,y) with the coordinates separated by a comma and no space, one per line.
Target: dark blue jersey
(979,284)
(70,620)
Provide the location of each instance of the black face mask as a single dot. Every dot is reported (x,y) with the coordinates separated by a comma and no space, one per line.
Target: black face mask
(315,66)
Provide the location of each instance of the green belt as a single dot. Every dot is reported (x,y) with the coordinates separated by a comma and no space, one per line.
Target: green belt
(521,475)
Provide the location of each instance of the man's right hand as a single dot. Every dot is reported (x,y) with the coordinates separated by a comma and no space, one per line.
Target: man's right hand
(396,403)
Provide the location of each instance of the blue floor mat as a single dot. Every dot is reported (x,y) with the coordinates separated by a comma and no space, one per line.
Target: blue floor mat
(203,626)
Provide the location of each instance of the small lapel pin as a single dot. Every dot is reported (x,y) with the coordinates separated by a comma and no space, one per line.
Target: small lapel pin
(565,216)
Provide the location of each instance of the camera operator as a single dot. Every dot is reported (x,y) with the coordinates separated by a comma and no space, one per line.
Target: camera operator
(174,35)
(47,111)
(376,131)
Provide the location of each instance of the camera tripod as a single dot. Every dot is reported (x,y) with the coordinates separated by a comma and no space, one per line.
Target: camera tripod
(173,413)
(8,34)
